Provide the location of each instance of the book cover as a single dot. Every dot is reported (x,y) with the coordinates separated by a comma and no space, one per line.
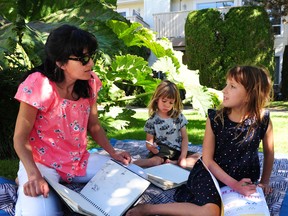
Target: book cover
(167,176)
(111,192)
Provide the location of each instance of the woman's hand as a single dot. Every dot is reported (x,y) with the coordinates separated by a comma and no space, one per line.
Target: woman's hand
(122,156)
(36,187)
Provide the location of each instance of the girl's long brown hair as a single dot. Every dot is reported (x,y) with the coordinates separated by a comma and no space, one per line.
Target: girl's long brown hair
(166,89)
(258,86)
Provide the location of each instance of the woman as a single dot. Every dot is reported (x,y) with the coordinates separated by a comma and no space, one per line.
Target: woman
(57,109)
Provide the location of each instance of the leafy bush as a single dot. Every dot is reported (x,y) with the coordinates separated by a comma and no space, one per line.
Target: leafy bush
(204,45)
(216,42)
(248,38)
(8,111)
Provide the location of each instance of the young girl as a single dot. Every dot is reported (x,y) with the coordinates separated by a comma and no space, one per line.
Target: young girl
(167,138)
(230,148)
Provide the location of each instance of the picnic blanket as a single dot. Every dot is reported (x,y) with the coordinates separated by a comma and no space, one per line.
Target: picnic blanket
(278,180)
(277,201)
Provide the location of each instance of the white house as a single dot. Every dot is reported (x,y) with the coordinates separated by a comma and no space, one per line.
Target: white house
(167,18)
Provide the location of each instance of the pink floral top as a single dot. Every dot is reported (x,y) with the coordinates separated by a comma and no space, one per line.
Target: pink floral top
(59,135)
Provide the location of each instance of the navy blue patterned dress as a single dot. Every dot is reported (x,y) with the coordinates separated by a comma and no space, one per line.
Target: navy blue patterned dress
(236,157)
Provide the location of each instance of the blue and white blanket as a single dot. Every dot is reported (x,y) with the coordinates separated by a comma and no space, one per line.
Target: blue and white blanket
(278,206)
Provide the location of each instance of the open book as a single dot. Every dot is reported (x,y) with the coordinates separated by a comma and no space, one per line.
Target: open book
(167,176)
(236,204)
(111,192)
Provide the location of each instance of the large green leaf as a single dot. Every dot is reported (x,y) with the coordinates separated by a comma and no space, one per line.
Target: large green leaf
(7,42)
(92,17)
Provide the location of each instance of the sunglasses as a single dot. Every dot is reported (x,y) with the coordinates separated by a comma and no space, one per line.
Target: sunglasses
(84,59)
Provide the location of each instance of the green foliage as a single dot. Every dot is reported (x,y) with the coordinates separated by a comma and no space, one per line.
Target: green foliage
(214,44)
(251,40)
(169,62)
(9,168)
(32,10)
(204,45)
(30,34)
(136,35)
(284,82)
(8,111)
(277,8)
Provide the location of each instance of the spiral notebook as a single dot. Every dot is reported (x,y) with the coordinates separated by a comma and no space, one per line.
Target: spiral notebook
(111,192)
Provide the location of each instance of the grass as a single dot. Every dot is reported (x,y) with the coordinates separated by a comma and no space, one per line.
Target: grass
(196,127)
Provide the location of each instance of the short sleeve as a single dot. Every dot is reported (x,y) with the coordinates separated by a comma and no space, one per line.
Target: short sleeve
(183,120)
(149,126)
(37,91)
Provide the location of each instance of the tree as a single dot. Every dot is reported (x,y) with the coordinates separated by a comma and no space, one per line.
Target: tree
(276,8)
(204,46)
(251,41)
(214,43)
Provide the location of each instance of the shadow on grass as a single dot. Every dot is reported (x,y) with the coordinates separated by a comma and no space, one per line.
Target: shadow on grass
(279,105)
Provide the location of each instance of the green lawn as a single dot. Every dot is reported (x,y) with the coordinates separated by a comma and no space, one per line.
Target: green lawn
(196,127)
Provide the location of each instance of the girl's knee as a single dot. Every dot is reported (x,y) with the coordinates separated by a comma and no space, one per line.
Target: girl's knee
(211,210)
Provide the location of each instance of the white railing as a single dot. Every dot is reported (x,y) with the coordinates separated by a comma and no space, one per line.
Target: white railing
(171,24)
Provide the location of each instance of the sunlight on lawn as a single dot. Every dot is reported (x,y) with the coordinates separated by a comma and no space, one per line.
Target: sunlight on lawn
(280,128)
(196,127)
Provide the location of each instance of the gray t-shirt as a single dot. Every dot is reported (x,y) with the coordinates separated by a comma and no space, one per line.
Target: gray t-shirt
(166,131)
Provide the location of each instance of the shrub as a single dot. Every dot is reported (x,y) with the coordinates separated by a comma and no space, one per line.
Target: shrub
(8,111)
(214,45)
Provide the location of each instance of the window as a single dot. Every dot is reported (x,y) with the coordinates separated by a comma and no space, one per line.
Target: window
(276,25)
(218,4)
(275,21)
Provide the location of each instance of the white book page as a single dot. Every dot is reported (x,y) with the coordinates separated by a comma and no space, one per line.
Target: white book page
(114,188)
(238,204)
(169,172)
